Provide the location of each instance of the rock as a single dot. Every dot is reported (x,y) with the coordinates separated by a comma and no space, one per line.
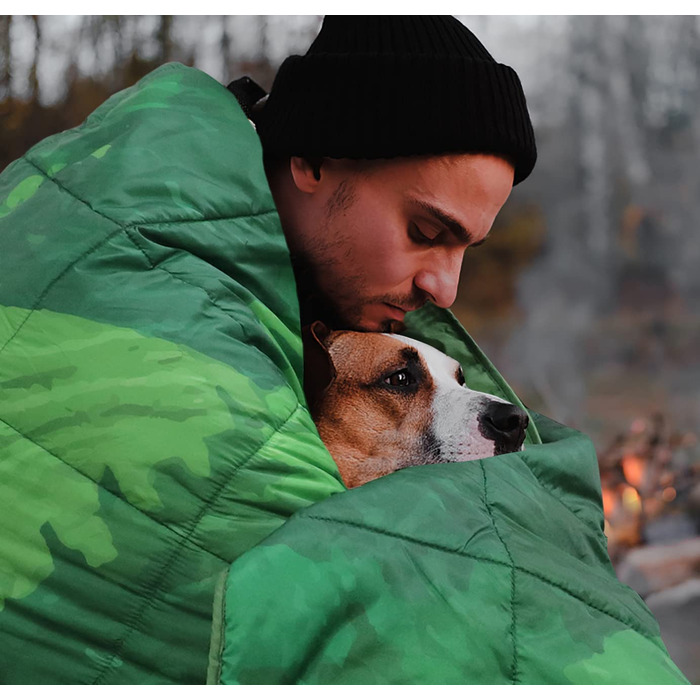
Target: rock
(677,610)
(656,568)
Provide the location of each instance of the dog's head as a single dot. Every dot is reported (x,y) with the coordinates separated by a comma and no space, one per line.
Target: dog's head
(384,402)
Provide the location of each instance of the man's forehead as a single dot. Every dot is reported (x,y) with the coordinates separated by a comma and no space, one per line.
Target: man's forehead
(444,183)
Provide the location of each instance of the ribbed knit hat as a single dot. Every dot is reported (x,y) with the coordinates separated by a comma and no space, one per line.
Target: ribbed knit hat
(387,86)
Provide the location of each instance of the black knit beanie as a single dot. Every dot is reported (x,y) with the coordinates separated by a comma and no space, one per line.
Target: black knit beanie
(387,86)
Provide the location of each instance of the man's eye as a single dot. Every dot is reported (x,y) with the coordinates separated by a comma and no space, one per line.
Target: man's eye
(420,235)
(401,378)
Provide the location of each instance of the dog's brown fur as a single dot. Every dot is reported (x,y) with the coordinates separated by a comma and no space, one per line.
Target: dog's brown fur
(384,402)
(376,423)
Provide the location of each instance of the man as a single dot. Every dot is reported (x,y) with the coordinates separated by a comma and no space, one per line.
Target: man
(153,427)
(427,135)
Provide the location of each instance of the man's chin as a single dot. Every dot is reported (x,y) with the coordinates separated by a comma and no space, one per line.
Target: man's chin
(372,318)
(382,325)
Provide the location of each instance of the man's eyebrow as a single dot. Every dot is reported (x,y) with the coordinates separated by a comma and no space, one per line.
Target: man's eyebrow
(447,220)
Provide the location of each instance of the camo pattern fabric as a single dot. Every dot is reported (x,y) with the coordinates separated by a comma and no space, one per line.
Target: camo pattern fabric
(489,572)
(152,421)
(153,430)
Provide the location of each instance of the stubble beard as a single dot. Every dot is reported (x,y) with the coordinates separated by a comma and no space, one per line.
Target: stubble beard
(343,309)
(339,304)
(339,307)
(338,310)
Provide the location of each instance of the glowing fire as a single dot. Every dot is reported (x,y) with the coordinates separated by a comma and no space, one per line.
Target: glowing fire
(609,501)
(633,469)
(631,500)
(639,481)
(669,493)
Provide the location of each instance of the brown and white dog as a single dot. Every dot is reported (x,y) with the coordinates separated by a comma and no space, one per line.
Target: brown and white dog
(383,402)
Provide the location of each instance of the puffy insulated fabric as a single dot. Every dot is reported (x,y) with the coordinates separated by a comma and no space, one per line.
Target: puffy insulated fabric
(489,572)
(152,422)
(153,430)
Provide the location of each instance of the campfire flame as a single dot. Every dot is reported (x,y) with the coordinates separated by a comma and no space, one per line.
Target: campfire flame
(644,473)
(633,469)
(631,499)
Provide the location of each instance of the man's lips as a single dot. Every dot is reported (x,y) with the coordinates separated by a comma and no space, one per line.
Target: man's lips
(397,312)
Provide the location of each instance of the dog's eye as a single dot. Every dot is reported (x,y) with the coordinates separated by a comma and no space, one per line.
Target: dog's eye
(460,377)
(401,378)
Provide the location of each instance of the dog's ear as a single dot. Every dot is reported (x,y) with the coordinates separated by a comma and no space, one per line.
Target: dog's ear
(319,370)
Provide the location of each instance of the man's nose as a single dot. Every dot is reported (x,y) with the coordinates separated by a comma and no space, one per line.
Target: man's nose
(439,278)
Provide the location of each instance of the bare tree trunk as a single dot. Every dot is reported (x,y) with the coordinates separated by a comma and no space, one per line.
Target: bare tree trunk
(115,26)
(693,32)
(629,131)
(225,48)
(164,38)
(5,56)
(33,72)
(263,48)
(589,112)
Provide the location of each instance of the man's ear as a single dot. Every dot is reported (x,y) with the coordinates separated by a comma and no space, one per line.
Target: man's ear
(306,173)
(319,371)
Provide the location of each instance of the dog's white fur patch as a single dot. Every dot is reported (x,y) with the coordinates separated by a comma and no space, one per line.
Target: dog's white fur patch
(459,439)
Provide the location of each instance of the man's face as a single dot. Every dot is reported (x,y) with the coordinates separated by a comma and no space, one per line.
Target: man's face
(381,238)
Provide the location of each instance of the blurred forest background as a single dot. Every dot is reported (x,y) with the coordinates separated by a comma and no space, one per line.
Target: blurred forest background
(586,296)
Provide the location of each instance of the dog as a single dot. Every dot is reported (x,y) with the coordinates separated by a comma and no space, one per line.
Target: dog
(383,402)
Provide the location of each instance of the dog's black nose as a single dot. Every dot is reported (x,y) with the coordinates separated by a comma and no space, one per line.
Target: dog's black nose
(505,424)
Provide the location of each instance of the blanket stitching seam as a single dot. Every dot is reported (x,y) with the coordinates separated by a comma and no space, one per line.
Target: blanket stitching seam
(629,623)
(100,486)
(491,372)
(147,602)
(232,217)
(513,624)
(46,290)
(156,222)
(405,538)
(209,296)
(85,254)
(63,188)
(207,293)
